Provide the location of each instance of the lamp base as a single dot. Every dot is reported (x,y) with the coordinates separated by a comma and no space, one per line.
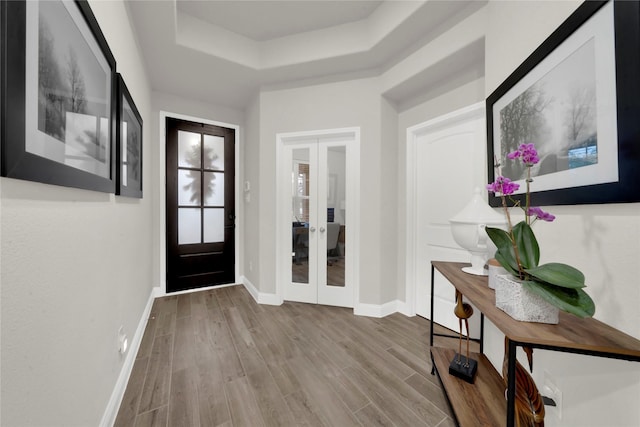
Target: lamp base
(463,369)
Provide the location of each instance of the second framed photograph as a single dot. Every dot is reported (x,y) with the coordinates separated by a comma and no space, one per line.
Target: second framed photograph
(129,145)
(60,86)
(577,99)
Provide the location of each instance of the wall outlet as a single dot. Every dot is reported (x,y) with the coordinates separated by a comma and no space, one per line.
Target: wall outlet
(551,390)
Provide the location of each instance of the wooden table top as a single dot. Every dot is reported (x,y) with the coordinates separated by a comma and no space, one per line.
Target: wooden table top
(586,335)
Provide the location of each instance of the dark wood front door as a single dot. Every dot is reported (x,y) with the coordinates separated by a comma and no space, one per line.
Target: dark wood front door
(200,205)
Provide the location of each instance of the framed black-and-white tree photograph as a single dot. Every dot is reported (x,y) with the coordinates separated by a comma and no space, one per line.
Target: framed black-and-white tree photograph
(60,128)
(129,145)
(576,98)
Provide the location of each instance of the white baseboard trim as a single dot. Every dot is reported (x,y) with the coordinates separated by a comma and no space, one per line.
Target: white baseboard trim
(404,308)
(260,297)
(377,310)
(110,413)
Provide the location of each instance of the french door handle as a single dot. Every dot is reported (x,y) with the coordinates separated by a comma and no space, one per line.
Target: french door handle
(312,229)
(322,229)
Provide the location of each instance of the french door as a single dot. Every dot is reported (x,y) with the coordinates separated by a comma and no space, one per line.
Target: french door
(200,205)
(317,258)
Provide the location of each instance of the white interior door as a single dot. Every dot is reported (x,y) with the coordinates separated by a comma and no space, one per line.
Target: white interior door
(317,259)
(450,162)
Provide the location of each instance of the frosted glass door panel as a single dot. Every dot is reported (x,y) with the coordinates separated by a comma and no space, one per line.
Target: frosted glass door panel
(213,188)
(189,226)
(213,152)
(188,188)
(189,149)
(213,225)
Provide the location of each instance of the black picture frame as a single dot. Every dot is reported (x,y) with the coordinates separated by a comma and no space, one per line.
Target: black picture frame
(3,65)
(60,128)
(616,121)
(128,144)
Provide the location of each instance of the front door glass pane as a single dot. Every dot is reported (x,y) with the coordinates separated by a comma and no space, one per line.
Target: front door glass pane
(213,152)
(213,188)
(189,226)
(188,187)
(189,149)
(213,225)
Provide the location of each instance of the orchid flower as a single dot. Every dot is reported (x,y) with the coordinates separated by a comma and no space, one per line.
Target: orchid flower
(518,250)
(540,214)
(504,186)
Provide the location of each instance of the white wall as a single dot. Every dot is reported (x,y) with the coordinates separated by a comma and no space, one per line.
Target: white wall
(601,240)
(251,172)
(327,106)
(390,226)
(515,29)
(76,265)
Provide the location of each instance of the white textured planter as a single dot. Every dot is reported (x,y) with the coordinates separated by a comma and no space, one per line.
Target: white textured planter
(521,304)
(495,269)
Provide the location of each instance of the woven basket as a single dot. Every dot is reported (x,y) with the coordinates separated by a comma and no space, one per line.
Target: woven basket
(522,304)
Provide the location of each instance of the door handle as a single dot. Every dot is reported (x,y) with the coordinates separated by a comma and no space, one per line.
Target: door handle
(312,229)
(322,229)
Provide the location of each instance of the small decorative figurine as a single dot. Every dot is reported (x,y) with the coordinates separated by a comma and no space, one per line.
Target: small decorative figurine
(461,366)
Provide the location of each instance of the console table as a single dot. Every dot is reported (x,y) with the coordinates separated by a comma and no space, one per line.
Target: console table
(481,403)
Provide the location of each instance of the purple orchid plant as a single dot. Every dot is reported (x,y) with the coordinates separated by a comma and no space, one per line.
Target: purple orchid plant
(518,250)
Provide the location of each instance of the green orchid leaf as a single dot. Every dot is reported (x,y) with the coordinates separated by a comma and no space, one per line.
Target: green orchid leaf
(505,254)
(507,261)
(499,237)
(574,301)
(558,274)
(528,248)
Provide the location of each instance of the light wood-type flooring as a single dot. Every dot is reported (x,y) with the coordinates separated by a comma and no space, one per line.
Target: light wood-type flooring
(217,358)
